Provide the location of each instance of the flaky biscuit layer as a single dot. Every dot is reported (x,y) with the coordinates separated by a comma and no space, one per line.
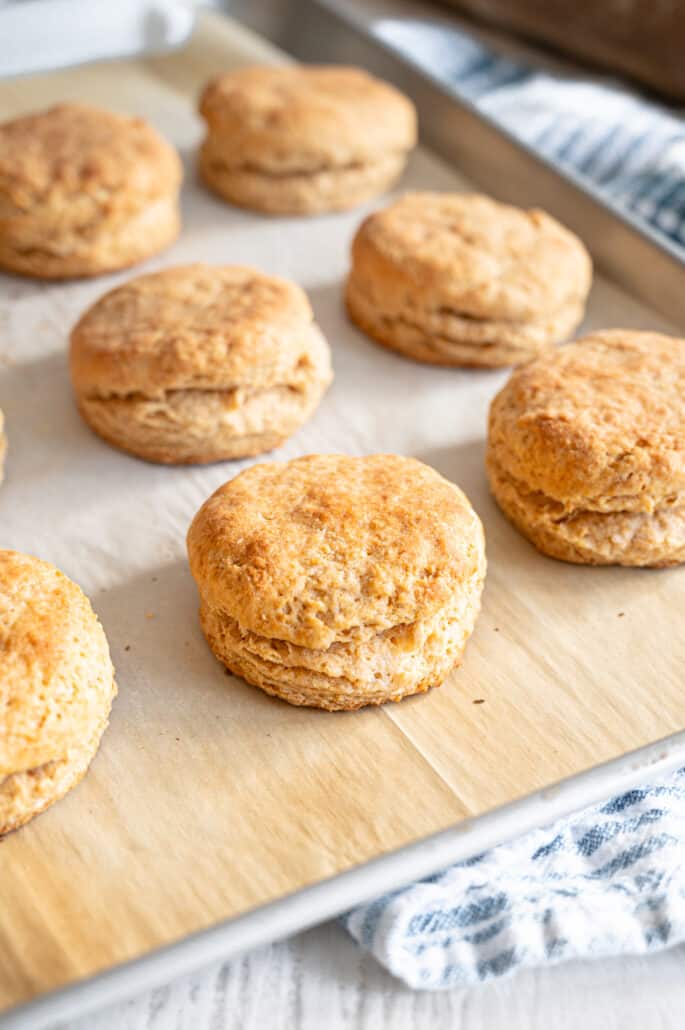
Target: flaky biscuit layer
(388,666)
(446,338)
(586,450)
(329,189)
(200,426)
(653,539)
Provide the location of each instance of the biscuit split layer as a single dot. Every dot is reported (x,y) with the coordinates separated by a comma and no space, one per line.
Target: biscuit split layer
(338,582)
(303,140)
(447,338)
(199,363)
(586,450)
(405,659)
(56,689)
(458,279)
(84,191)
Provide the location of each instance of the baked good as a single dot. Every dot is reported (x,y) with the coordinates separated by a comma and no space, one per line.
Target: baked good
(84,191)
(459,279)
(3,446)
(199,363)
(303,140)
(586,450)
(56,688)
(338,582)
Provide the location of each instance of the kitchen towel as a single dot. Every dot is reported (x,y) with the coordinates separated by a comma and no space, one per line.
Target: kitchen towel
(629,148)
(610,880)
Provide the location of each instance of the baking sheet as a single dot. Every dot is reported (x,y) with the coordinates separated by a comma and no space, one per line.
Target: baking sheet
(208,798)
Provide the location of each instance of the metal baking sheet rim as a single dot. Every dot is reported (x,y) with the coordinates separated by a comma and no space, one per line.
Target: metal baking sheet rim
(331,897)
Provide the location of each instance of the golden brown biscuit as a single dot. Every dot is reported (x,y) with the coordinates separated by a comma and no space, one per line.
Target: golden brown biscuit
(199,363)
(586,450)
(459,279)
(338,582)
(84,191)
(303,139)
(56,687)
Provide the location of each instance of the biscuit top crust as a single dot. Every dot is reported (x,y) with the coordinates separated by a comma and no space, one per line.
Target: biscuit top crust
(332,548)
(56,677)
(305,119)
(470,255)
(192,327)
(77,163)
(598,424)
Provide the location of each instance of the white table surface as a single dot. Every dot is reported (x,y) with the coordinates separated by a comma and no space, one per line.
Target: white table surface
(321,979)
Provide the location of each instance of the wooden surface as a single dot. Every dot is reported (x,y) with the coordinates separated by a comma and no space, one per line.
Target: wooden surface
(207,797)
(642,41)
(321,979)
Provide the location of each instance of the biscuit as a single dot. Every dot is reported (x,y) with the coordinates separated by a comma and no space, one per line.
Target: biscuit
(56,687)
(302,140)
(199,363)
(338,582)
(586,450)
(84,191)
(459,279)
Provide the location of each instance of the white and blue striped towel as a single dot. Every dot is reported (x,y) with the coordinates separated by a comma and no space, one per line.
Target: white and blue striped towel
(610,880)
(632,150)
